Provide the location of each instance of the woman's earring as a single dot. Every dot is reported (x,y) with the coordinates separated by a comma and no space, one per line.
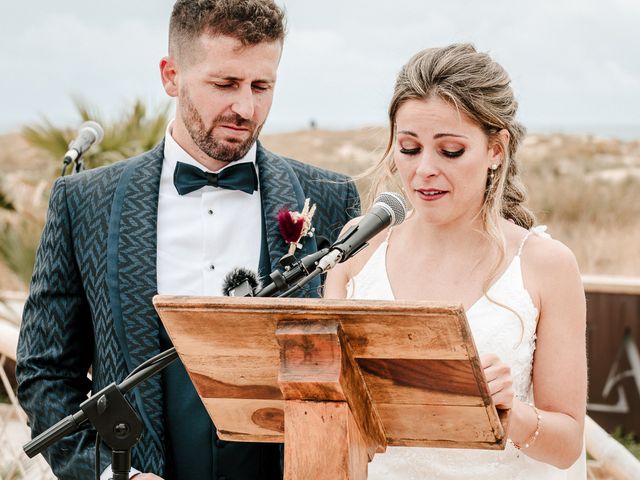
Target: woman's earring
(492,171)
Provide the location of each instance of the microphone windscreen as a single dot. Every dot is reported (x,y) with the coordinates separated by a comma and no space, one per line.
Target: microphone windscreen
(237,277)
(96,128)
(395,204)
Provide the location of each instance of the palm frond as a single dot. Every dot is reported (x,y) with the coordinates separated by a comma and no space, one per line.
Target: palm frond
(48,138)
(87,111)
(136,130)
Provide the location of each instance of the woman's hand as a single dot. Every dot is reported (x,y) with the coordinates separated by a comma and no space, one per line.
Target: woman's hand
(498,375)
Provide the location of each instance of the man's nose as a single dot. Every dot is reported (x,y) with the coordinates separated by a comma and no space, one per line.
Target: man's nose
(243,104)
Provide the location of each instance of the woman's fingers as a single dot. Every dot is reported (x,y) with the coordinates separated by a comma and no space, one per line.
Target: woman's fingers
(503,396)
(496,370)
(499,380)
(488,359)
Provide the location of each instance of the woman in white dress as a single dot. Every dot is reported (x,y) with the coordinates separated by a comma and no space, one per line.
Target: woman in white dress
(468,239)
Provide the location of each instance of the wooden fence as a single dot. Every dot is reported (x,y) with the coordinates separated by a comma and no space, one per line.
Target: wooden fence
(613,341)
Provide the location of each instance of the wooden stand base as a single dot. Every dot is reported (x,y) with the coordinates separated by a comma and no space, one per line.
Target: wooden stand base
(331,427)
(322,441)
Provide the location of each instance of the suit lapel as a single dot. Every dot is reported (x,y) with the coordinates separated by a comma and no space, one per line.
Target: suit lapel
(279,187)
(132,258)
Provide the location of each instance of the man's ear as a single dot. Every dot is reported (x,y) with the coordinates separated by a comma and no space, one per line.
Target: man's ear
(169,76)
(498,147)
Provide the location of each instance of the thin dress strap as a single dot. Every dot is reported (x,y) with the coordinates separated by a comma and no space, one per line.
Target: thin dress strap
(523,242)
(540,230)
(386,239)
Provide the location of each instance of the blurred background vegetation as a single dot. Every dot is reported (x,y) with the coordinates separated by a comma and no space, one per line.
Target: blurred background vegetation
(30,162)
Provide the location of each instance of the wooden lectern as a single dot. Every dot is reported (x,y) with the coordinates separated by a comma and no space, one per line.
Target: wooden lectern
(336,381)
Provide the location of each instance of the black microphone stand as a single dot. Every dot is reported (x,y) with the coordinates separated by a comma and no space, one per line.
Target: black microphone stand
(111,414)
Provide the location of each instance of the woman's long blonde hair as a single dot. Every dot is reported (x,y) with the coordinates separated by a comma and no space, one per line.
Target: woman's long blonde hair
(480,88)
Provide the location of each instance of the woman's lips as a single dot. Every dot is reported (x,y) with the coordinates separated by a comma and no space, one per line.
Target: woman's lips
(431,194)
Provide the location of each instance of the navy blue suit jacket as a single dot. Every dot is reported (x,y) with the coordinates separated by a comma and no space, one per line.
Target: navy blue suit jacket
(89,304)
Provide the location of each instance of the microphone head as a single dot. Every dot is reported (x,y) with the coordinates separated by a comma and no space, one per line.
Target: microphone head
(236,278)
(95,128)
(395,204)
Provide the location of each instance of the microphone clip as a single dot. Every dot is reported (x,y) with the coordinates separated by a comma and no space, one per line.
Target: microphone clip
(72,157)
(294,270)
(241,282)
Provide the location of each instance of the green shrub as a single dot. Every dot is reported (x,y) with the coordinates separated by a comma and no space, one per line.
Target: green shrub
(629,440)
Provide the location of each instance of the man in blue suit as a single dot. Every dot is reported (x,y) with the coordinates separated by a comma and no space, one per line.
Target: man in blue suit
(173,220)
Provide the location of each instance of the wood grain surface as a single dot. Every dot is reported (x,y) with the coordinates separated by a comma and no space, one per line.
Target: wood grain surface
(323,442)
(417,361)
(316,364)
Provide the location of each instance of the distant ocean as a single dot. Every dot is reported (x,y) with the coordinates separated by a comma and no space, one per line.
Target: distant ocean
(621,132)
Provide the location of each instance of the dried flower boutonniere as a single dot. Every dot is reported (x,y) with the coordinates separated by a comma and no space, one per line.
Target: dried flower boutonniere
(296,225)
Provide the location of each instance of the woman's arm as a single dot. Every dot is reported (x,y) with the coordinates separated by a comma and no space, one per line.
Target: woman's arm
(560,363)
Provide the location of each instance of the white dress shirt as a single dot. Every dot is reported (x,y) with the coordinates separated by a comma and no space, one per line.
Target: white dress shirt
(205,234)
(202,235)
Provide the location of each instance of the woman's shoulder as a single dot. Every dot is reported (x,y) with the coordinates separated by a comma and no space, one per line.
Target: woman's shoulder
(546,253)
(546,263)
(537,245)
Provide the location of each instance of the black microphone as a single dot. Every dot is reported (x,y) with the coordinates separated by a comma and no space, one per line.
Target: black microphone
(389,209)
(240,282)
(90,133)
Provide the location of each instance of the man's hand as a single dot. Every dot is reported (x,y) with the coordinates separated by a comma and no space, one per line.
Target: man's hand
(146,476)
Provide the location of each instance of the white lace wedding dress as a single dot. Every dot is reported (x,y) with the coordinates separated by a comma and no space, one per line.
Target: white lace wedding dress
(495,329)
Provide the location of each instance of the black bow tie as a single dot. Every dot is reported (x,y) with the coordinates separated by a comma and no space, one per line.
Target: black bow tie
(241,176)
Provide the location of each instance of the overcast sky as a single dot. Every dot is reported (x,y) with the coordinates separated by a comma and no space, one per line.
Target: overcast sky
(575,64)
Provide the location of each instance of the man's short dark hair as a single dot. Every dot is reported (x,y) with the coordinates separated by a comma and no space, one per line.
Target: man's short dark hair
(249,21)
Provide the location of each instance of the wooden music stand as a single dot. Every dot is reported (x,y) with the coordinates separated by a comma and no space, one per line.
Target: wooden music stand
(336,381)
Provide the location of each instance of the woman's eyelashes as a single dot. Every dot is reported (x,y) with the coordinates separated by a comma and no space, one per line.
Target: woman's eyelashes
(449,153)
(410,151)
(453,153)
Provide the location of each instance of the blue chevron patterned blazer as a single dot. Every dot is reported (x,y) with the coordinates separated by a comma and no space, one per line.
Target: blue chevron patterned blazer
(89,304)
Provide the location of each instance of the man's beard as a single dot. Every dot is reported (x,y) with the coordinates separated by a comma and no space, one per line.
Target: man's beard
(228,150)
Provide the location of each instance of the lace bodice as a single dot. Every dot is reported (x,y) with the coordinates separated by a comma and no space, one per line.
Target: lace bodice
(495,329)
